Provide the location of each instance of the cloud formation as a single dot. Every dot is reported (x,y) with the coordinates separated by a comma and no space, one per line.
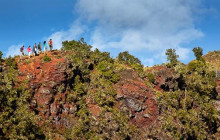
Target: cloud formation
(75,30)
(13,50)
(145,28)
(151,26)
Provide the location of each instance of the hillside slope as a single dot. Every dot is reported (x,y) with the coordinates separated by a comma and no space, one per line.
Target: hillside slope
(48,83)
(76,93)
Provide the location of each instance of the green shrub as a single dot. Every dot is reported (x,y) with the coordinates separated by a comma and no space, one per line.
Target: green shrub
(96,85)
(150,77)
(16,119)
(79,48)
(97,56)
(10,62)
(188,113)
(27,61)
(198,66)
(106,69)
(58,57)
(128,59)
(46,58)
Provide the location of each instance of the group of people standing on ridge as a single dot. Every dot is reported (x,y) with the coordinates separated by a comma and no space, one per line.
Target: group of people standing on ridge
(37,49)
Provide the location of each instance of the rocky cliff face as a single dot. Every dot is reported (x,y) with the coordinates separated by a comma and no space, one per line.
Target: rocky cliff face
(137,99)
(89,96)
(48,83)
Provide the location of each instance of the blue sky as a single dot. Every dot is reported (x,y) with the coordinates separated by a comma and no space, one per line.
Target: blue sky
(145,28)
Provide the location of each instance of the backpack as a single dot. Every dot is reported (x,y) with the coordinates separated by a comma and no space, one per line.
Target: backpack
(50,42)
(21,49)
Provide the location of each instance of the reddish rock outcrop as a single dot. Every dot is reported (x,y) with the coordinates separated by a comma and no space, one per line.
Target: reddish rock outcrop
(166,79)
(48,82)
(137,99)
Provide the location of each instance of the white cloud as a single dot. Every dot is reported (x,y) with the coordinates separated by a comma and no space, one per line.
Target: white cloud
(141,27)
(13,50)
(74,31)
(183,53)
(149,61)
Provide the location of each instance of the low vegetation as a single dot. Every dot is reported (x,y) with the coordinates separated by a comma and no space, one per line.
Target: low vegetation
(96,85)
(46,58)
(17,121)
(186,112)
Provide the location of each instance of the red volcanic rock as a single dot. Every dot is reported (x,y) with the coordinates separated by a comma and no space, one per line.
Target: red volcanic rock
(165,79)
(135,97)
(44,96)
(94,109)
(44,79)
(48,82)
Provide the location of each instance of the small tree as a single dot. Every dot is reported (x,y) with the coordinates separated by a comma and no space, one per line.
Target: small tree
(198,53)
(172,57)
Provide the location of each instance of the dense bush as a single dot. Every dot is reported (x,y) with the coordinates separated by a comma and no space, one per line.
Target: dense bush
(98,56)
(107,72)
(92,79)
(46,58)
(16,119)
(189,112)
(130,60)
(150,77)
(10,62)
(79,48)
(186,112)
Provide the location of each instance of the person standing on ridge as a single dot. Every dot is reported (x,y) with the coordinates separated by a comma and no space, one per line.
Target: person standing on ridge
(22,50)
(29,51)
(39,48)
(50,44)
(35,49)
(45,46)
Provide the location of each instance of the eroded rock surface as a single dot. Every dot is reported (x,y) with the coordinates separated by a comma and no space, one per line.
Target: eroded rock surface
(136,99)
(48,82)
